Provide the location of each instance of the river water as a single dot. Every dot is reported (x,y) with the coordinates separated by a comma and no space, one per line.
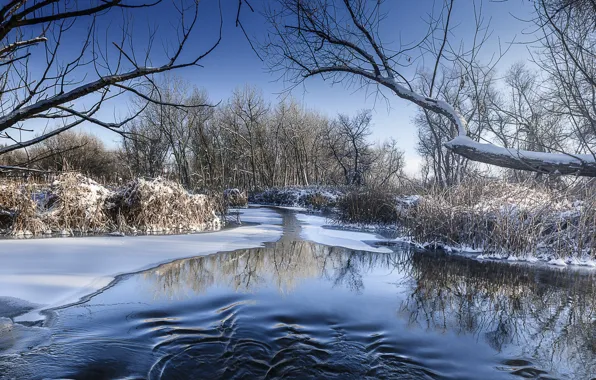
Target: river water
(297,309)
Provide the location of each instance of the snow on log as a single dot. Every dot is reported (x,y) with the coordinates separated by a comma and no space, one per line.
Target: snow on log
(559,163)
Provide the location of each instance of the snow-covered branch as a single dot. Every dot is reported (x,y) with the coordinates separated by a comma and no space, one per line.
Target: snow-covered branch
(540,162)
(340,41)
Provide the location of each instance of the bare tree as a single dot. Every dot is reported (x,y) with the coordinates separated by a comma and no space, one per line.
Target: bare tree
(146,154)
(42,80)
(568,56)
(339,40)
(347,141)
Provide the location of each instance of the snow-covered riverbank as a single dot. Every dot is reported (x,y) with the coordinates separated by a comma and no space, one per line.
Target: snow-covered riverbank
(58,271)
(38,274)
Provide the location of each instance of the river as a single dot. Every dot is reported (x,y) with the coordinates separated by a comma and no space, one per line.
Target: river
(300,309)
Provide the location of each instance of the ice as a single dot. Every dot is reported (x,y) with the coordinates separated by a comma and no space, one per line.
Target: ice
(11,307)
(58,271)
(313,230)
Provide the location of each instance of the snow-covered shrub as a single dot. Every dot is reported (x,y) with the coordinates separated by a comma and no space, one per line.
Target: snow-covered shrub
(76,203)
(19,213)
(316,198)
(504,219)
(235,198)
(160,205)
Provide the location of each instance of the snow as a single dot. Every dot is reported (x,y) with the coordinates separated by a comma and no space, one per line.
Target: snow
(313,230)
(554,158)
(423,101)
(59,271)
(558,262)
(11,307)
(299,197)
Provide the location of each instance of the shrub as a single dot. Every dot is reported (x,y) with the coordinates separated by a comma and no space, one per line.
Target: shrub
(159,205)
(18,209)
(74,203)
(505,219)
(235,198)
(367,206)
(316,198)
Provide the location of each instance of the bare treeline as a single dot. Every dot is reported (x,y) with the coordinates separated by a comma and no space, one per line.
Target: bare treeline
(545,105)
(68,151)
(543,122)
(249,143)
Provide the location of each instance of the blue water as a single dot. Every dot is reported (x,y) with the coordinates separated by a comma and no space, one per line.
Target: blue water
(296,309)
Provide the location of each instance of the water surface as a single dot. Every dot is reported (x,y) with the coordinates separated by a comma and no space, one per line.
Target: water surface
(297,309)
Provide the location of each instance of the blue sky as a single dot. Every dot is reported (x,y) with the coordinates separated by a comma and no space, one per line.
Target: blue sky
(234,64)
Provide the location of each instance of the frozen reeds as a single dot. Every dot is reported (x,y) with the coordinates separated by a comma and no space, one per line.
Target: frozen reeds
(76,204)
(496,217)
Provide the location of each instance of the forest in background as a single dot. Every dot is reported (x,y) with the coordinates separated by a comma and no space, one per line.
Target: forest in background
(243,142)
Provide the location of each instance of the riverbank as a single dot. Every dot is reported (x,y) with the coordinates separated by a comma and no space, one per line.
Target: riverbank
(495,220)
(75,205)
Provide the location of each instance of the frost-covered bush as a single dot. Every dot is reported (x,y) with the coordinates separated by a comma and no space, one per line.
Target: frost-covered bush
(76,204)
(19,211)
(235,198)
(160,205)
(316,198)
(511,220)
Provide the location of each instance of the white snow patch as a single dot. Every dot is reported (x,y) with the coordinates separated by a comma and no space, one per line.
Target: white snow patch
(55,272)
(313,230)
(558,262)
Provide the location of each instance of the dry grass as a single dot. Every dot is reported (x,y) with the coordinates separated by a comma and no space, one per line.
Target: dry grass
(159,206)
(500,218)
(368,206)
(19,211)
(311,197)
(235,198)
(76,204)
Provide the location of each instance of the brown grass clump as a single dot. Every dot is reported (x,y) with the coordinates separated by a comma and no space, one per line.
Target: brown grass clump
(19,214)
(368,206)
(235,198)
(159,205)
(496,217)
(506,219)
(77,204)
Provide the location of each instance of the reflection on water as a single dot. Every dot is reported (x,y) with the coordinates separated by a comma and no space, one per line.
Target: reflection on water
(297,309)
(283,266)
(548,315)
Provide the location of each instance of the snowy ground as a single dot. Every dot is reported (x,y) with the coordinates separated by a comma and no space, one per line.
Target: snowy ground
(58,271)
(313,230)
(40,273)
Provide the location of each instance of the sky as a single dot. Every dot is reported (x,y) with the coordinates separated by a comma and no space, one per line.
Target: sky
(234,64)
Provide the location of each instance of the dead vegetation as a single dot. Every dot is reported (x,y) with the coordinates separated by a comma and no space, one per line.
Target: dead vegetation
(499,218)
(317,198)
(159,206)
(74,204)
(370,206)
(235,198)
(504,219)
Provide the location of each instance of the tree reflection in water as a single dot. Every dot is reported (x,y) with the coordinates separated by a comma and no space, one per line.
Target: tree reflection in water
(545,315)
(284,264)
(541,313)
